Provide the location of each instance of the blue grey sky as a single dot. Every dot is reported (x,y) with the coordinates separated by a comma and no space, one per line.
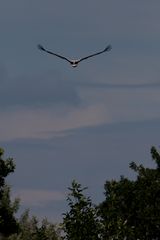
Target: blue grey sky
(87,123)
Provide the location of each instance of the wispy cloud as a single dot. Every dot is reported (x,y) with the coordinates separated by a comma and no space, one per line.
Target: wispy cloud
(48,89)
(36,123)
(38,197)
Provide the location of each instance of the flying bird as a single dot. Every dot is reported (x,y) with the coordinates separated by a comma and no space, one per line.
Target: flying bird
(74,63)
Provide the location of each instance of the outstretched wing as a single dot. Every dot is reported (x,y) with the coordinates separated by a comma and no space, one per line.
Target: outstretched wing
(40,47)
(108,48)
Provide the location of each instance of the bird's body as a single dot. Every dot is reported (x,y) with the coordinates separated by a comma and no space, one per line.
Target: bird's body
(74,63)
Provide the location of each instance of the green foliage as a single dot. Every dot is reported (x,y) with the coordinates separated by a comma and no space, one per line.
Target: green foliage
(6,167)
(8,223)
(131,209)
(25,228)
(32,229)
(81,222)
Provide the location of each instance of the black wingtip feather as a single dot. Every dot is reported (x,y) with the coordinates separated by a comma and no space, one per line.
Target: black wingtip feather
(40,47)
(108,48)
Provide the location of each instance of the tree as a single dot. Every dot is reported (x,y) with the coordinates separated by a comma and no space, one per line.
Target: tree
(131,209)
(6,167)
(25,227)
(33,229)
(8,222)
(81,221)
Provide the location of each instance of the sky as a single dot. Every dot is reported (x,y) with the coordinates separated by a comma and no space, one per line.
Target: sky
(87,123)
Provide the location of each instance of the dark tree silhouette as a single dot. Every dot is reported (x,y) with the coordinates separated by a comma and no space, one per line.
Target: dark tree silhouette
(131,209)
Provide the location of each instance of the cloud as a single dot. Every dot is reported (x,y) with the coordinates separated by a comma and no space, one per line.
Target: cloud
(101,106)
(127,104)
(38,197)
(42,122)
(48,89)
